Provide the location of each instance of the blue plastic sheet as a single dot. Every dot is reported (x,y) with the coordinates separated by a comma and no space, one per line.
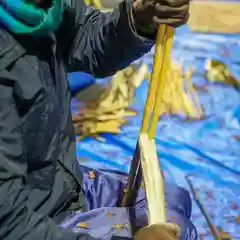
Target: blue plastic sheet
(75,84)
(206,151)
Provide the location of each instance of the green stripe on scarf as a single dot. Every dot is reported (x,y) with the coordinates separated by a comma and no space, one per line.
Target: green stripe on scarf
(24,18)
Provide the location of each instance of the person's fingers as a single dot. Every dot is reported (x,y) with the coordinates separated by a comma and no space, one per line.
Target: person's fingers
(181,23)
(165,231)
(174,17)
(173,3)
(174,22)
(162,234)
(157,232)
(166,21)
(163,10)
(171,228)
(167,236)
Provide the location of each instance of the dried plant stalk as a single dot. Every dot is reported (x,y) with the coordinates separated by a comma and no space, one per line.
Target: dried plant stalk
(217,233)
(153,181)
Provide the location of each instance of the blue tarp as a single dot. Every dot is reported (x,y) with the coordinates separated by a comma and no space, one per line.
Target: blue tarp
(206,151)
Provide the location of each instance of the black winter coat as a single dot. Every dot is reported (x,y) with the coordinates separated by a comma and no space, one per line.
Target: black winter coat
(39,181)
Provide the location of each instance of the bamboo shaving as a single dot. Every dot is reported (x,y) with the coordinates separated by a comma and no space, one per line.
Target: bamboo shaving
(180,97)
(218,72)
(111,111)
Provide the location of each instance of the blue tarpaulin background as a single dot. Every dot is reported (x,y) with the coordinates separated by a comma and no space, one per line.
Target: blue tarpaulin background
(207,151)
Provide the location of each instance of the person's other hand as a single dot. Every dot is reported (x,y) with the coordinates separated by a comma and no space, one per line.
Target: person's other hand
(147,14)
(166,231)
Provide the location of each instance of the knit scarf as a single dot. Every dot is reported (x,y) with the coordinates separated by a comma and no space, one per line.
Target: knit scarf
(21,17)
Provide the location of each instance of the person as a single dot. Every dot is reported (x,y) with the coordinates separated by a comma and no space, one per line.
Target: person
(42,186)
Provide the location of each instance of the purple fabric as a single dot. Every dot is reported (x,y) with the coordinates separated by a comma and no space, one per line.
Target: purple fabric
(103,219)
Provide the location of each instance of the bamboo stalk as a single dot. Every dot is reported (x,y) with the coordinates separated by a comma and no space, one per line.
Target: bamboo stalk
(135,178)
(159,69)
(154,78)
(151,171)
(161,82)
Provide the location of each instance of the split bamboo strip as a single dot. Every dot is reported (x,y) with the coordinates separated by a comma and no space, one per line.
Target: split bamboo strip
(153,181)
(150,167)
(162,81)
(135,178)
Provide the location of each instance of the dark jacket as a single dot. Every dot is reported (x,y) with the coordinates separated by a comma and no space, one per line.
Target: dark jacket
(39,179)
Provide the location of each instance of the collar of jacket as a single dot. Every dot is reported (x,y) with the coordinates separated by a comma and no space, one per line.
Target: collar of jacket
(10,49)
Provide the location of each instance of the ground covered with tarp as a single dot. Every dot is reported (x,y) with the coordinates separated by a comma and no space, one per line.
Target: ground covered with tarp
(205,153)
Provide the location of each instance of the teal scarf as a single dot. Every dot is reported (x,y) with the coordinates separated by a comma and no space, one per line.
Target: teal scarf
(21,17)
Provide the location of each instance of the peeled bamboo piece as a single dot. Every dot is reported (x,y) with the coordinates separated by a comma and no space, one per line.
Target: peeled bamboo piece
(153,181)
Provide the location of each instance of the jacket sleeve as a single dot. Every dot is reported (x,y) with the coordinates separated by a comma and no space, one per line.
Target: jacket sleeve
(17,219)
(101,43)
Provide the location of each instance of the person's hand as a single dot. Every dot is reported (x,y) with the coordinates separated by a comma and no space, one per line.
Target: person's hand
(166,231)
(148,14)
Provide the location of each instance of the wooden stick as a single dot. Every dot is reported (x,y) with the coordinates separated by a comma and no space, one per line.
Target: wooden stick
(203,211)
(134,181)
(153,181)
